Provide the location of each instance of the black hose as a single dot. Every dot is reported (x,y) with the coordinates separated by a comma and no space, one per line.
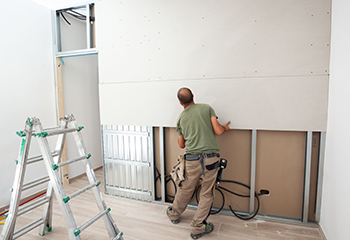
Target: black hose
(212,211)
(240,216)
(217,187)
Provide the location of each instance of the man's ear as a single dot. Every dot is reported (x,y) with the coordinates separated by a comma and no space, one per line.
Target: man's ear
(181,103)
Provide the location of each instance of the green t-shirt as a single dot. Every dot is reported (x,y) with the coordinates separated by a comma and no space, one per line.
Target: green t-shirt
(195,125)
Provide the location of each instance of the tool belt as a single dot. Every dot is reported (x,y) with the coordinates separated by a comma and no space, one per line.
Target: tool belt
(178,171)
(193,157)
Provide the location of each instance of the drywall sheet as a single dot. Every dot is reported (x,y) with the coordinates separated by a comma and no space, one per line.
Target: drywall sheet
(284,103)
(163,45)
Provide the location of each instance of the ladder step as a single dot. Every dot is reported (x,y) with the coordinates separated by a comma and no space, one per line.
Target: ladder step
(52,132)
(23,230)
(91,221)
(37,158)
(66,199)
(35,183)
(55,166)
(30,206)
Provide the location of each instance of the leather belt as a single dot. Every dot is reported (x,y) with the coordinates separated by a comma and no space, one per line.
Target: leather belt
(193,157)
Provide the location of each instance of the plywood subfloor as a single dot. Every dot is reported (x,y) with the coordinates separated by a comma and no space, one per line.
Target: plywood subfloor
(145,221)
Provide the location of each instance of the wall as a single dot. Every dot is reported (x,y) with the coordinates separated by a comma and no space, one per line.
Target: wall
(80,90)
(27,83)
(335,200)
(261,63)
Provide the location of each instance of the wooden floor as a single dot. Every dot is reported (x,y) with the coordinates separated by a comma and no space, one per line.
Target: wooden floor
(145,221)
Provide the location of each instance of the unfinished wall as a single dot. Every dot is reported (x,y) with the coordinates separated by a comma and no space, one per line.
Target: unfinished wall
(280,160)
(262,64)
(27,83)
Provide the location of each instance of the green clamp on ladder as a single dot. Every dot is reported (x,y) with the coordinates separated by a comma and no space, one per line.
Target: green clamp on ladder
(53,164)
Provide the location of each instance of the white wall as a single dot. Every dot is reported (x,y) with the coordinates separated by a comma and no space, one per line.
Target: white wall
(262,64)
(27,83)
(80,87)
(336,195)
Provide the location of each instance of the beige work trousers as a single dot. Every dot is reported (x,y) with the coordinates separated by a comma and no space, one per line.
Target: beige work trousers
(193,172)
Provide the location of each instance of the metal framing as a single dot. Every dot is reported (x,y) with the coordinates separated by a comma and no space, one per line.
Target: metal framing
(57,34)
(162,161)
(253,171)
(320,176)
(307,177)
(128,161)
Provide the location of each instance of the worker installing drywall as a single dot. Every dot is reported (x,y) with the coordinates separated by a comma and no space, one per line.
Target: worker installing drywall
(196,129)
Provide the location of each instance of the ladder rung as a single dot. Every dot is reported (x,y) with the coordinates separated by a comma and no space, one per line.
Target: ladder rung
(91,221)
(66,199)
(37,158)
(52,132)
(23,230)
(27,207)
(55,166)
(35,183)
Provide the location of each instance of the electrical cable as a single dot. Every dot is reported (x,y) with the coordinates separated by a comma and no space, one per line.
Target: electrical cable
(74,14)
(218,188)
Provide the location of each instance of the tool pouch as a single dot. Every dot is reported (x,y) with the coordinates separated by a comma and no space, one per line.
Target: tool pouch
(178,171)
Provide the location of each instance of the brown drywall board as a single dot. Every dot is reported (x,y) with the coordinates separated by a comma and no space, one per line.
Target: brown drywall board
(313,176)
(280,160)
(235,147)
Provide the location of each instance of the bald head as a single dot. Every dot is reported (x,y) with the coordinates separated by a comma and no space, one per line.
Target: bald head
(185,96)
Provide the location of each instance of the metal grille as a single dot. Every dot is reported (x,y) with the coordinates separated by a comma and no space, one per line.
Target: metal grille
(128,161)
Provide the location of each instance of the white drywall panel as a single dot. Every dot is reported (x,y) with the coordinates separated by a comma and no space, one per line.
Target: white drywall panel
(180,42)
(80,90)
(335,206)
(281,103)
(141,41)
(27,85)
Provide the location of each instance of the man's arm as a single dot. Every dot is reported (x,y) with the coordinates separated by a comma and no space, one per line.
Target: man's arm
(181,141)
(218,128)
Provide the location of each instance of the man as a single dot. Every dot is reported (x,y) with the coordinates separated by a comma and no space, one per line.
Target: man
(196,128)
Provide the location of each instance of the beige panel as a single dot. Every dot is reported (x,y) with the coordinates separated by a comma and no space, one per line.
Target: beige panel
(285,103)
(235,147)
(176,40)
(280,169)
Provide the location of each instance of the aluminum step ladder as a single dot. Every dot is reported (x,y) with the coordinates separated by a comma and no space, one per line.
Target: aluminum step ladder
(52,160)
